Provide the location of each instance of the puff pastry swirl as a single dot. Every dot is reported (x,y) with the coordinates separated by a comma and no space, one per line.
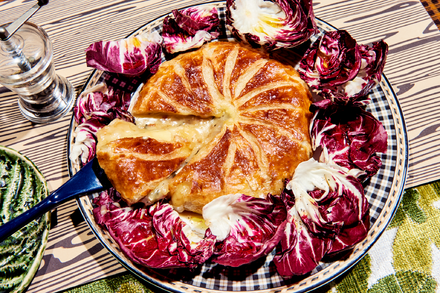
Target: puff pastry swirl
(254,112)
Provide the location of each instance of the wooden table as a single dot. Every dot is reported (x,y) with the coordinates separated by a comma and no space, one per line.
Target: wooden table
(73,255)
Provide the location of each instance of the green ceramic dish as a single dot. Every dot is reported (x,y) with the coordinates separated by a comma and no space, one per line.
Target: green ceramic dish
(21,187)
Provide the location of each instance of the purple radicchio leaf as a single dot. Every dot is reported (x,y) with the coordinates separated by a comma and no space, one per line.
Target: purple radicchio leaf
(271,24)
(328,205)
(349,136)
(154,236)
(84,146)
(370,73)
(131,56)
(190,28)
(299,251)
(338,68)
(247,228)
(350,235)
(107,197)
(326,196)
(95,109)
(103,104)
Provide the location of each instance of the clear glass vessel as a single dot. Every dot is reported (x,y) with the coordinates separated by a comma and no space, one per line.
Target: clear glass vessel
(26,68)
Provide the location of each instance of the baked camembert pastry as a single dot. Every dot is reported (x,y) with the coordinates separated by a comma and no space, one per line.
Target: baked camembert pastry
(220,120)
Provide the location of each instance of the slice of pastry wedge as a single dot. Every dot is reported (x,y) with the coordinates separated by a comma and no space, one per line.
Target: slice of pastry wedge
(140,162)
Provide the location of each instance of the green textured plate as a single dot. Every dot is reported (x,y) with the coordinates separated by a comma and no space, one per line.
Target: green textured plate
(21,187)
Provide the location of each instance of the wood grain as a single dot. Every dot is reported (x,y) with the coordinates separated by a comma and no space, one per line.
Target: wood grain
(74,256)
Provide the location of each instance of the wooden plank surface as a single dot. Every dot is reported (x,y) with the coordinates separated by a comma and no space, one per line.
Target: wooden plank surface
(74,256)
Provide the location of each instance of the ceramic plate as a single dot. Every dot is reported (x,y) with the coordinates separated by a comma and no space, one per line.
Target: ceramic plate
(21,186)
(383,192)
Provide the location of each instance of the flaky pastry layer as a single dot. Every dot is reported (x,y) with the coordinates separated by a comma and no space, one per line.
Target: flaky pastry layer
(248,130)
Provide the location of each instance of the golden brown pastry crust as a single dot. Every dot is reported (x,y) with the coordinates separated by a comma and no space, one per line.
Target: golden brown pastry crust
(135,164)
(261,105)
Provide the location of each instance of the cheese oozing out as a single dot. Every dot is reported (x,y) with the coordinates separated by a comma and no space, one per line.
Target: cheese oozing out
(197,131)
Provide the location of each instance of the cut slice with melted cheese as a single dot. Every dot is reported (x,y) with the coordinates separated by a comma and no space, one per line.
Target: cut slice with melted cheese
(219,120)
(141,161)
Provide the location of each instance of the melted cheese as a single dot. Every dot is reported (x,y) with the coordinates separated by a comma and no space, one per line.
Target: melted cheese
(161,129)
(196,130)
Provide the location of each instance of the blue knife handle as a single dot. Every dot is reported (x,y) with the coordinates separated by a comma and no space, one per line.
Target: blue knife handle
(91,178)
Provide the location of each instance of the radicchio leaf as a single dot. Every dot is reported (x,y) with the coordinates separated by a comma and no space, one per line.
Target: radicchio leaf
(95,109)
(190,28)
(271,24)
(350,235)
(103,104)
(325,206)
(84,146)
(131,56)
(299,251)
(349,137)
(341,195)
(338,68)
(247,228)
(153,236)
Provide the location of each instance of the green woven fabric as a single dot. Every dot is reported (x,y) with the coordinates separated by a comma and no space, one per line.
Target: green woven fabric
(122,283)
(413,254)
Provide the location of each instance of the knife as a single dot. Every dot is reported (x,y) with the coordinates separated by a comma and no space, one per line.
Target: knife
(91,178)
